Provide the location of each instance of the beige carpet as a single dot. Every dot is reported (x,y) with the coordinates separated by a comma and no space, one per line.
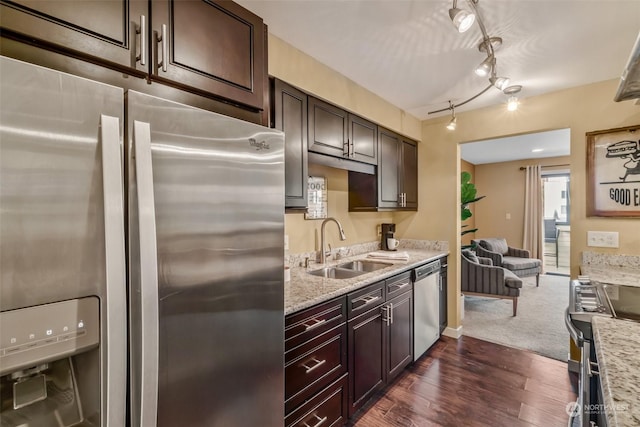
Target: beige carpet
(539,325)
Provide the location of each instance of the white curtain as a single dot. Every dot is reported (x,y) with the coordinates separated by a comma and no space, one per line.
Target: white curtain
(533,214)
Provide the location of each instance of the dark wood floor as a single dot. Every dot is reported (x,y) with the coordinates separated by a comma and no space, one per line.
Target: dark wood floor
(470,382)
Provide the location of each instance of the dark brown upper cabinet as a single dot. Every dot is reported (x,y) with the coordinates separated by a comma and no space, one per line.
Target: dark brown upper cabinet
(209,46)
(289,114)
(395,185)
(338,133)
(214,48)
(397,171)
(111,32)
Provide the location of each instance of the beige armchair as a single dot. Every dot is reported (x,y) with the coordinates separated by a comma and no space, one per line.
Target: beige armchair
(518,261)
(481,278)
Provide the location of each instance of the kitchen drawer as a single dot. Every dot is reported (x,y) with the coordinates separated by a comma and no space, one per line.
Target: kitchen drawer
(398,284)
(327,409)
(313,365)
(365,299)
(304,325)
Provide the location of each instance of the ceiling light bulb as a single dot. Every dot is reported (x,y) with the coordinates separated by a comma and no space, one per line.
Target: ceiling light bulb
(500,82)
(512,103)
(485,67)
(452,124)
(461,19)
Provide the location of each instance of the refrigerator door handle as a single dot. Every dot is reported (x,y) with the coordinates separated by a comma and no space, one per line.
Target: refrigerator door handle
(148,273)
(115,331)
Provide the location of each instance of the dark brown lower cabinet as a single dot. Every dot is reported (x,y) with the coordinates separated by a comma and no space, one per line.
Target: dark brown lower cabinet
(327,408)
(338,354)
(400,332)
(366,357)
(380,343)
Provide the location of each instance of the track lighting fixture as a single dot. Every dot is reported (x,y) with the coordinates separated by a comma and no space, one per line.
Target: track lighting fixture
(512,102)
(453,122)
(461,19)
(484,69)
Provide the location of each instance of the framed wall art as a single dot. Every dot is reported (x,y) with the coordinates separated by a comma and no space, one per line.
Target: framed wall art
(613,172)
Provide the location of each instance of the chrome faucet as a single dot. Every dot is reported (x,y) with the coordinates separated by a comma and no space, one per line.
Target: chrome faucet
(323,254)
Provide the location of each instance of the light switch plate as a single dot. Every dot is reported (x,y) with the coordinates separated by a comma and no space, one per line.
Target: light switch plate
(602,239)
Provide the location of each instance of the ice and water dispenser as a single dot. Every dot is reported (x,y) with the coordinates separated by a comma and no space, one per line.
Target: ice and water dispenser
(50,365)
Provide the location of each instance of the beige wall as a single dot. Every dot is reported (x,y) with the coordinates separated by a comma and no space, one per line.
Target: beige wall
(503,186)
(582,109)
(359,227)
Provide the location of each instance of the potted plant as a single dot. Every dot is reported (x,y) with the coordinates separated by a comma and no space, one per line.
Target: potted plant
(468,195)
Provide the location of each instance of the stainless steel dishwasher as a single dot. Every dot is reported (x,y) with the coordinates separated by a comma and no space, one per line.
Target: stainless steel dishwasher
(426,307)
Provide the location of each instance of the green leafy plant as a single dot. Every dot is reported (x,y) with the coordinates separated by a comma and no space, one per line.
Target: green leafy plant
(468,194)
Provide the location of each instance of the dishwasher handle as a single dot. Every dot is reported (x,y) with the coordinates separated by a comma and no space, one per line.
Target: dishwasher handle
(426,270)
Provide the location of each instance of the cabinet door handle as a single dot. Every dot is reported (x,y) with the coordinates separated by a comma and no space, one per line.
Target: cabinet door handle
(162,39)
(353,149)
(317,364)
(142,30)
(386,317)
(318,424)
(345,148)
(365,301)
(316,322)
(391,313)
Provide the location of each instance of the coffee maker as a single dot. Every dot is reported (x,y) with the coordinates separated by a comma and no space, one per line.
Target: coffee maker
(387,233)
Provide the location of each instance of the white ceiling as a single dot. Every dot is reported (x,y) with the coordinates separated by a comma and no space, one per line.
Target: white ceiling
(552,143)
(408,52)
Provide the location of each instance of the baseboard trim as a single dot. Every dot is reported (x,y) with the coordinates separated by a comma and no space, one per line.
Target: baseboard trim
(453,333)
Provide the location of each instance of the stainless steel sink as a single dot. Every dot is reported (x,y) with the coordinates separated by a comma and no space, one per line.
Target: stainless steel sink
(364,266)
(336,273)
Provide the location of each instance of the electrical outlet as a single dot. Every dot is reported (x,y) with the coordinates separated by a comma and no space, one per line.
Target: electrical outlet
(602,239)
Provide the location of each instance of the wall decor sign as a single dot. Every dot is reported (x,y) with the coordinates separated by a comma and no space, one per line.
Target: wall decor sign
(613,172)
(317,190)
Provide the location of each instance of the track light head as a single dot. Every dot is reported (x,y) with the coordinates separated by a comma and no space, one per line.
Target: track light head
(461,19)
(499,82)
(485,67)
(512,102)
(452,124)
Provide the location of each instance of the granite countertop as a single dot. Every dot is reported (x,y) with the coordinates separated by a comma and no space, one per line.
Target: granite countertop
(305,290)
(617,344)
(616,275)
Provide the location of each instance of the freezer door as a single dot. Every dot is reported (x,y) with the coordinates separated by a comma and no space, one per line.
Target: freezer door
(61,216)
(217,207)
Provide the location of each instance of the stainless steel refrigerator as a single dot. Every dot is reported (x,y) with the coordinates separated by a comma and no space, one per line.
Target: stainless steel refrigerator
(141,251)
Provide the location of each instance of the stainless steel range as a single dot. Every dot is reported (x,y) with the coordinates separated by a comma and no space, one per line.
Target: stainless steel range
(586,300)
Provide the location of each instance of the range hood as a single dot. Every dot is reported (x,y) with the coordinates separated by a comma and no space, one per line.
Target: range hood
(630,80)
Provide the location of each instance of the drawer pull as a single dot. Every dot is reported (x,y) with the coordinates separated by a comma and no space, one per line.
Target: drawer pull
(361,302)
(401,286)
(315,324)
(318,424)
(317,362)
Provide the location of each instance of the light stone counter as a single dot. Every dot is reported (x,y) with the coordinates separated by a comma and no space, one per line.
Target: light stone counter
(617,269)
(305,290)
(617,344)
(610,274)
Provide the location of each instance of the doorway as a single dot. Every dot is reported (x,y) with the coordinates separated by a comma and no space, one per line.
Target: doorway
(557,227)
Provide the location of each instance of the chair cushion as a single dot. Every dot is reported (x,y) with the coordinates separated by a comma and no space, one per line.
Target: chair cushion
(495,245)
(471,256)
(515,263)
